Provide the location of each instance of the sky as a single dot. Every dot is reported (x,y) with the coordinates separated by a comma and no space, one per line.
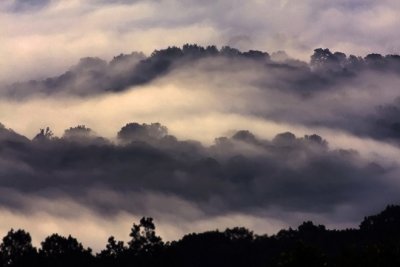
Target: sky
(43,37)
(198,137)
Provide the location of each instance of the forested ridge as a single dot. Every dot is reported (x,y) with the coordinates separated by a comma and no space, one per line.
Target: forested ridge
(199,133)
(93,75)
(375,243)
(238,173)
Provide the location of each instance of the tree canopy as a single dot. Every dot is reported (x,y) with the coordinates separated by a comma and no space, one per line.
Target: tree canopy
(375,243)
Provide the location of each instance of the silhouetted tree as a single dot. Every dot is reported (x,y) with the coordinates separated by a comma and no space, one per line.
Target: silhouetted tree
(376,61)
(316,139)
(256,55)
(142,132)
(44,135)
(211,50)
(284,139)
(64,251)
(80,131)
(143,237)
(83,135)
(245,136)
(321,57)
(193,50)
(387,221)
(324,59)
(228,51)
(113,249)
(375,244)
(17,249)
(239,233)
(355,63)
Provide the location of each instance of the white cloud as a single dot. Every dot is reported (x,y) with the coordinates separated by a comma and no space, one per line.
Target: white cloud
(48,40)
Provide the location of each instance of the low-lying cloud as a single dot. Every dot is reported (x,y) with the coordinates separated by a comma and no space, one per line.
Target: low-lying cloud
(147,171)
(251,137)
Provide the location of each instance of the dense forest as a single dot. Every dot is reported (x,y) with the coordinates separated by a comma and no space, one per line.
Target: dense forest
(192,133)
(239,172)
(242,171)
(93,75)
(375,243)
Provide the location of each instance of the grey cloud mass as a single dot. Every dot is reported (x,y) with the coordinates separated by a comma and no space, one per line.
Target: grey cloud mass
(236,174)
(321,93)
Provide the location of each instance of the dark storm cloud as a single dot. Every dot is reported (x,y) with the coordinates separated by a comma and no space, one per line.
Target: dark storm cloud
(380,122)
(241,173)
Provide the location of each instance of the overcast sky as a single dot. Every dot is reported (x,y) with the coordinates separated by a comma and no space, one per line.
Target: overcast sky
(41,37)
(240,147)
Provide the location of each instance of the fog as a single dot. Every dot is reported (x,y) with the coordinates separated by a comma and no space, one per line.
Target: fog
(106,116)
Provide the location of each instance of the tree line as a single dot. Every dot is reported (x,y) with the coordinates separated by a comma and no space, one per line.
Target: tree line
(375,243)
(93,75)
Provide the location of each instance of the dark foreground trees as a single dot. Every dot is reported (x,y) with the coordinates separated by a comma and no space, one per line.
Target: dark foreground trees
(375,243)
(64,251)
(17,250)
